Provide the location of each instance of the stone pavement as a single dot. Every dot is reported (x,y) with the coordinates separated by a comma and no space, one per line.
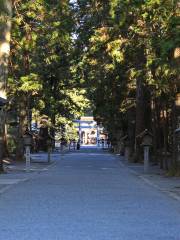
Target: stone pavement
(87,195)
(155,177)
(15,172)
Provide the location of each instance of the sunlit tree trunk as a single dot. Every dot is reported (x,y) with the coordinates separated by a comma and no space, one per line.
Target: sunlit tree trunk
(5,29)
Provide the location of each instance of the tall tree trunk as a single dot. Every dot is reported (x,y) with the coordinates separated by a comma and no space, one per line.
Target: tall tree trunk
(154,128)
(5,138)
(165,134)
(52,129)
(140,123)
(140,99)
(174,126)
(23,124)
(131,131)
(5,29)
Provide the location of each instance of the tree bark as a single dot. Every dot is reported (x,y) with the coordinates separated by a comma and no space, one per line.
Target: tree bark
(5,29)
(23,124)
(140,122)
(52,129)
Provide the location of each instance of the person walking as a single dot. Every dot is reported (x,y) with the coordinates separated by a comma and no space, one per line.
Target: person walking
(78,145)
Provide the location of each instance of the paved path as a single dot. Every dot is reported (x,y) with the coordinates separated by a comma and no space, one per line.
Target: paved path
(87,196)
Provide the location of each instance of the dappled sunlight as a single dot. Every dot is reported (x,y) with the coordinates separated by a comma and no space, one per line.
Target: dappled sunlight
(4,49)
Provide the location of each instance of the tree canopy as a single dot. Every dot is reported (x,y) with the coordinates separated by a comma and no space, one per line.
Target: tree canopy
(119,56)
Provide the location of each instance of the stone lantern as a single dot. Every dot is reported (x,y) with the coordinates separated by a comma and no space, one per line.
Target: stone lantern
(49,143)
(147,139)
(27,139)
(147,142)
(126,142)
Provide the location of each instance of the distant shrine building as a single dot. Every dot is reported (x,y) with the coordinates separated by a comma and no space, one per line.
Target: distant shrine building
(88,130)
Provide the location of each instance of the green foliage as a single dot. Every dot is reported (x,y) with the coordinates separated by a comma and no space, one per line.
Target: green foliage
(30,83)
(113,49)
(42,59)
(126,40)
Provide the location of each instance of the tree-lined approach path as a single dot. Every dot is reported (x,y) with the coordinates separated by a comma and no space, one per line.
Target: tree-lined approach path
(87,195)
